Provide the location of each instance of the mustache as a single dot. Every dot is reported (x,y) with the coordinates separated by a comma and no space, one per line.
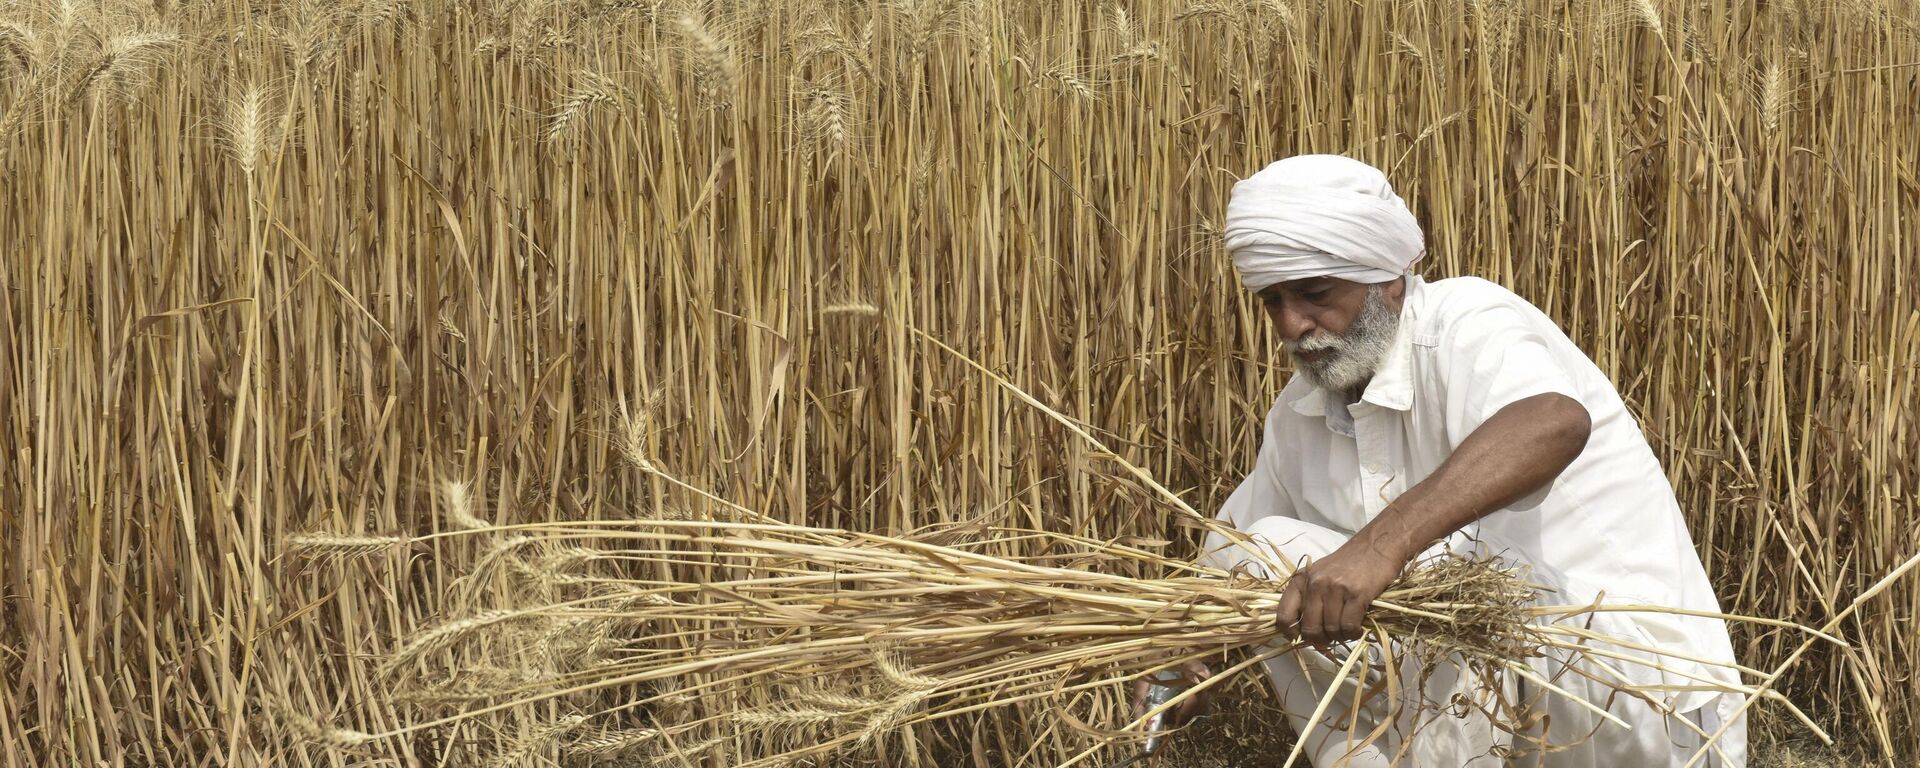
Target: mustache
(1315,343)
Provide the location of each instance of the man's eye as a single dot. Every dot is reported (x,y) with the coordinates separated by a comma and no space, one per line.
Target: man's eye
(1315,295)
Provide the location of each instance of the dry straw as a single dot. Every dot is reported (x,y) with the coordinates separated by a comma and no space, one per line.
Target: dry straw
(848,637)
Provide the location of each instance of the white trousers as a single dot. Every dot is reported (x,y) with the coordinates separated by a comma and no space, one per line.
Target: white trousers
(1438,715)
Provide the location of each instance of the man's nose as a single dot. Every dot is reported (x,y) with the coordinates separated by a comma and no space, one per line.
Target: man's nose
(1290,322)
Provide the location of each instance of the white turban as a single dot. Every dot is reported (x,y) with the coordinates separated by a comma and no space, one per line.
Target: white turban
(1320,216)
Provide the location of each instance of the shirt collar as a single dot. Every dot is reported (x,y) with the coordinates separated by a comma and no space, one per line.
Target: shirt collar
(1312,403)
(1392,385)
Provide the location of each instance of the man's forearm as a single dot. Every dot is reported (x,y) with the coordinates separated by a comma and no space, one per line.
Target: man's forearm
(1517,451)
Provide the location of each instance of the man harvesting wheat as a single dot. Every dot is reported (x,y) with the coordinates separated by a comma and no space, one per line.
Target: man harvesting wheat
(1454,414)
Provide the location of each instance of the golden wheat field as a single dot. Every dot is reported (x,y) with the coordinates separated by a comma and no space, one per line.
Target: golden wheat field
(412,274)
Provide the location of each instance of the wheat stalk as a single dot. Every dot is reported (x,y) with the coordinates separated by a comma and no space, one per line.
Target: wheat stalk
(589,90)
(444,636)
(712,61)
(1773,97)
(249,129)
(533,739)
(334,547)
(613,742)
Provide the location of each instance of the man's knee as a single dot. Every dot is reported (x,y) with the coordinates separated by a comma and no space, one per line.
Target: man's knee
(1295,541)
(1275,539)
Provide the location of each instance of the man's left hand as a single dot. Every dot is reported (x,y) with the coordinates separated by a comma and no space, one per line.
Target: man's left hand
(1326,600)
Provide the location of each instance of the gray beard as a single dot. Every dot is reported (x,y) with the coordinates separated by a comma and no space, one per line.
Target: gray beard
(1357,353)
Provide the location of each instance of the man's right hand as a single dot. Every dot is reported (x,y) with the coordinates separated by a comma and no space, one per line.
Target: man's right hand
(1326,601)
(1191,673)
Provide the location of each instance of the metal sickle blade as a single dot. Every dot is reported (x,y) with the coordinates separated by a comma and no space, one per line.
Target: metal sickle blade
(1137,757)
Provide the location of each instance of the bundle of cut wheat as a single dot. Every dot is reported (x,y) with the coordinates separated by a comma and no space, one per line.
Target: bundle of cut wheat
(816,639)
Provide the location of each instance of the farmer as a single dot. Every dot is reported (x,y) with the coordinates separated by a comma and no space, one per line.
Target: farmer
(1454,415)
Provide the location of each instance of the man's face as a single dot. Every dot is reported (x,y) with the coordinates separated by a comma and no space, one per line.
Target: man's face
(1336,331)
(1316,304)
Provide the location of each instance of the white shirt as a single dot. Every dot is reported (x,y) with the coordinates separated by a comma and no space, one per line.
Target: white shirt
(1465,349)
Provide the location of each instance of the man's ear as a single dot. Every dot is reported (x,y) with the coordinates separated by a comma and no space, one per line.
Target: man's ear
(1396,292)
